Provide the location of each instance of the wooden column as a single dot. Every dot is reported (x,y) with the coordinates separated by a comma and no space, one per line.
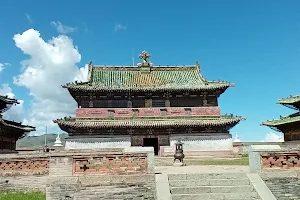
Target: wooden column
(10,144)
(205,99)
(148,100)
(91,102)
(129,102)
(148,103)
(167,102)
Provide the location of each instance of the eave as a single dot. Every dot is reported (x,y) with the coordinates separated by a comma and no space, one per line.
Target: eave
(292,102)
(289,100)
(161,122)
(17,125)
(282,121)
(8,100)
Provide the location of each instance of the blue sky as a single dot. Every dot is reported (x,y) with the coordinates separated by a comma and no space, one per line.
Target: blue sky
(254,44)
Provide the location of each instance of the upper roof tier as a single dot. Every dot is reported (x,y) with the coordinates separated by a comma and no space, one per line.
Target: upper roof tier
(291,102)
(6,103)
(146,77)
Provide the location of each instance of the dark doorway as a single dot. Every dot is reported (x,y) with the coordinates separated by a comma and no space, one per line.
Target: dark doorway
(151,142)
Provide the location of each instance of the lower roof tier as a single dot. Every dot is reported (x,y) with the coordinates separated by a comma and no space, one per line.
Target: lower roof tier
(17,127)
(158,122)
(283,120)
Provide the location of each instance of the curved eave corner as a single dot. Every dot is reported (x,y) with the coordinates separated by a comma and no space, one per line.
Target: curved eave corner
(8,100)
(24,128)
(289,100)
(265,123)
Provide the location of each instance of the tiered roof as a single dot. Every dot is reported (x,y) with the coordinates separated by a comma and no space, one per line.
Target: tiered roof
(146,77)
(17,126)
(150,122)
(291,102)
(5,104)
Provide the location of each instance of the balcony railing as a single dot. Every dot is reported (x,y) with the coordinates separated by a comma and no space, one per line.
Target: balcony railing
(147,112)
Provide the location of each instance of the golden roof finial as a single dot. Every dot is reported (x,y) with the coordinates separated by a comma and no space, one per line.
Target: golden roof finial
(144,56)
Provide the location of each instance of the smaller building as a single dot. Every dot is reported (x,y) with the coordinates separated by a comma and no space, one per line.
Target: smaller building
(288,125)
(10,131)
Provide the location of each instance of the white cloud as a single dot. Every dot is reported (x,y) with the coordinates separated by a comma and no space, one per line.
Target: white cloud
(273,137)
(16,112)
(50,65)
(28,17)
(120,27)
(3,65)
(61,28)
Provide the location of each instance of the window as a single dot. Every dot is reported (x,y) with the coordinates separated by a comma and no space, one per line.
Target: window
(84,103)
(138,103)
(158,103)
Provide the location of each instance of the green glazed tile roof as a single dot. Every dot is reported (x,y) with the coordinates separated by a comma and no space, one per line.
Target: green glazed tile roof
(17,126)
(290,100)
(7,100)
(283,120)
(158,78)
(224,120)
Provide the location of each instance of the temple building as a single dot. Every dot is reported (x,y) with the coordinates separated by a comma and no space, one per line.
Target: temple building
(10,131)
(288,125)
(146,105)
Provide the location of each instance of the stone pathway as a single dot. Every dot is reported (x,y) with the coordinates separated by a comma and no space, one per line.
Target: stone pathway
(202,169)
(210,182)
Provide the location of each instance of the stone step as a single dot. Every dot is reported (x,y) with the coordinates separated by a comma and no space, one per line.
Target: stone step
(212,189)
(209,182)
(207,176)
(217,196)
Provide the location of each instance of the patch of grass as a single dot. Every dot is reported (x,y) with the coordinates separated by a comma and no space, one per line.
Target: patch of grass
(237,161)
(245,155)
(22,196)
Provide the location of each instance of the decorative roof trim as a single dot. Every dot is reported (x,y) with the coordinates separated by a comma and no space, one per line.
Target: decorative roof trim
(8,100)
(283,120)
(289,100)
(157,122)
(17,125)
(86,87)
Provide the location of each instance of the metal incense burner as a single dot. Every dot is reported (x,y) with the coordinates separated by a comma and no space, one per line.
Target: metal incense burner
(179,152)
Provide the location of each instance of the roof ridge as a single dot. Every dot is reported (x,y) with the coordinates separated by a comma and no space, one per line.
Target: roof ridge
(137,68)
(289,97)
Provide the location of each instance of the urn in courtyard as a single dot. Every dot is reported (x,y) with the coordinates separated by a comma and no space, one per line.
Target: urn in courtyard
(179,155)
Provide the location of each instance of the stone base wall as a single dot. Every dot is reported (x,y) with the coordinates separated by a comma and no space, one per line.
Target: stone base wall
(198,145)
(92,174)
(281,160)
(243,147)
(105,188)
(98,142)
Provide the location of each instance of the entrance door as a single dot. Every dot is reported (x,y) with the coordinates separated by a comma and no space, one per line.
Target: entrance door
(151,142)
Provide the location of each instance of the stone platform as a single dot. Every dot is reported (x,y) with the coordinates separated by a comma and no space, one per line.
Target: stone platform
(97,142)
(218,145)
(209,144)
